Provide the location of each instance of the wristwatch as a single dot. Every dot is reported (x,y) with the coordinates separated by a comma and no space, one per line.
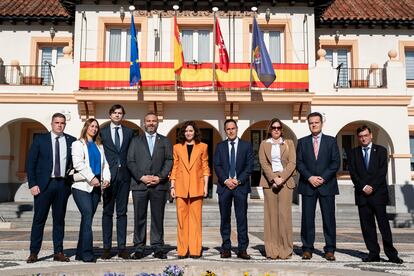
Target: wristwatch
(238,182)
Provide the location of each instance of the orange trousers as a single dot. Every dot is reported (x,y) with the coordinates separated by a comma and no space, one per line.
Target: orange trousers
(189,226)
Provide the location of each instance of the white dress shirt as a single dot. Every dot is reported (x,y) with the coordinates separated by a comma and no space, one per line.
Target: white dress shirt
(62,153)
(113,126)
(276,157)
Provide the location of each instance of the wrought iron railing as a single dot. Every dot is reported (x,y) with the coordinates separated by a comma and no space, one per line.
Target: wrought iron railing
(26,74)
(159,76)
(360,77)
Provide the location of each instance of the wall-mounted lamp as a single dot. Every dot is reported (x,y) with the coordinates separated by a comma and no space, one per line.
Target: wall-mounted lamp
(122,14)
(267,16)
(337,35)
(52,32)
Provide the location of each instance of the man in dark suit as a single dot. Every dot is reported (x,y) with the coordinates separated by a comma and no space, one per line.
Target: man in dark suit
(116,139)
(233,163)
(48,163)
(318,160)
(150,160)
(368,171)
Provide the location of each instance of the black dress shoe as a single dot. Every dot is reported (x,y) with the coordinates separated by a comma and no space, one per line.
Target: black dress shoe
(160,255)
(106,255)
(138,255)
(32,258)
(93,260)
(195,256)
(243,255)
(182,257)
(371,259)
(396,260)
(123,254)
(225,254)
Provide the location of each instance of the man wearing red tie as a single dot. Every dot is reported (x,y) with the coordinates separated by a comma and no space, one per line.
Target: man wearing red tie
(368,171)
(317,161)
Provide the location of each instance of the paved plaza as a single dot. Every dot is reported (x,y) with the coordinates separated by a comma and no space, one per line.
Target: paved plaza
(350,249)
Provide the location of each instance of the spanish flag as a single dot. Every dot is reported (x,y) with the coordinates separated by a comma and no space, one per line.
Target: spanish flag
(178,50)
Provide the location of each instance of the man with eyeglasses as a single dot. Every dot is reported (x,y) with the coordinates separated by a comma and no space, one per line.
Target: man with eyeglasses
(368,169)
(318,160)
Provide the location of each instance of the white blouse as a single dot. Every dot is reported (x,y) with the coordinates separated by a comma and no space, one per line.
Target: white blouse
(276,158)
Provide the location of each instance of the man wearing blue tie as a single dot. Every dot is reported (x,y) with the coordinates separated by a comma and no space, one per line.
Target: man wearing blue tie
(150,160)
(48,163)
(368,169)
(233,163)
(317,160)
(115,139)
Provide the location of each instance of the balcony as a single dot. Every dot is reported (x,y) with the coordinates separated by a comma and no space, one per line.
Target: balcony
(29,75)
(159,76)
(360,77)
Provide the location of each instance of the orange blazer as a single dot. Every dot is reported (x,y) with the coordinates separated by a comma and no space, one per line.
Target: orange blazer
(189,176)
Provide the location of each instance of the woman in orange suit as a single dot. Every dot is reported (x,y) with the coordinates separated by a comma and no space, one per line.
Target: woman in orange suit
(189,182)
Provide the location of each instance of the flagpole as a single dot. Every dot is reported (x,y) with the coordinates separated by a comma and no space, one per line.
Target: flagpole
(175,8)
(215,9)
(254,10)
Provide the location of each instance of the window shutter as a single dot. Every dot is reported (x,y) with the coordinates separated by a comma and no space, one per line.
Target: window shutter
(409,64)
(274,46)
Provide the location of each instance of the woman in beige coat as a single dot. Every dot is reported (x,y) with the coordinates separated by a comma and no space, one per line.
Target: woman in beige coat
(277,157)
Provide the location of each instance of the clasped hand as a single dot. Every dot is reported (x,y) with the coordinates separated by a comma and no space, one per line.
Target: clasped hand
(231,183)
(150,180)
(316,181)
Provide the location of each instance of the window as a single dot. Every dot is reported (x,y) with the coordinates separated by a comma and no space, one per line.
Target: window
(197,45)
(409,64)
(273,45)
(340,57)
(49,56)
(118,44)
(412,151)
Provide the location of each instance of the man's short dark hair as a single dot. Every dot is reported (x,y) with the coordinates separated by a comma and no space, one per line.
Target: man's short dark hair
(116,106)
(151,113)
(315,114)
(58,115)
(230,121)
(363,128)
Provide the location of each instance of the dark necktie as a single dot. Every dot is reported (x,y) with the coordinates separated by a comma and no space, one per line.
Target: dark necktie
(366,160)
(117,139)
(57,158)
(232,172)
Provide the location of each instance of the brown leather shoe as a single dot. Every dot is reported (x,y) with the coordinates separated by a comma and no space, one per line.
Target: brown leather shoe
(329,256)
(106,255)
(123,254)
(306,255)
(225,254)
(60,257)
(32,258)
(243,255)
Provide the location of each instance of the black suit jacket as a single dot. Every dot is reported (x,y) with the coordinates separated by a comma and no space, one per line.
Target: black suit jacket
(326,165)
(244,165)
(111,152)
(140,161)
(39,163)
(374,176)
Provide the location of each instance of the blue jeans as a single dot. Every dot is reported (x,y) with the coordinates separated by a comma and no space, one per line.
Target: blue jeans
(87,204)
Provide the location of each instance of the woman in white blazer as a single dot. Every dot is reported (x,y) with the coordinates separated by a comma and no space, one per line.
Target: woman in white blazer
(89,161)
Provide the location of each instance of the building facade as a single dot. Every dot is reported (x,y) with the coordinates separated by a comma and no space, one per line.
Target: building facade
(353,61)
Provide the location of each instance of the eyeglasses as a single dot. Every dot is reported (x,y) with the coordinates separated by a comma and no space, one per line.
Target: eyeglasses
(276,128)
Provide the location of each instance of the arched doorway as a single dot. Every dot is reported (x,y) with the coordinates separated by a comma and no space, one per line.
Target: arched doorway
(347,139)
(256,133)
(211,137)
(16,137)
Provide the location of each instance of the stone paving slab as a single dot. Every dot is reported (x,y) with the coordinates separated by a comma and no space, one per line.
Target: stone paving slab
(14,251)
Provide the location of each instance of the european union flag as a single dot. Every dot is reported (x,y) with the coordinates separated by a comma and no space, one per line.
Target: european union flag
(261,60)
(134,68)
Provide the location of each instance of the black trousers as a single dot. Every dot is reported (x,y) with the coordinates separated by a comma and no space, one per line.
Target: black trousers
(307,233)
(367,215)
(56,196)
(157,199)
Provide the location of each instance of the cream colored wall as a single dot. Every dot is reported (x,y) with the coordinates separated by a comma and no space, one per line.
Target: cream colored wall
(16,40)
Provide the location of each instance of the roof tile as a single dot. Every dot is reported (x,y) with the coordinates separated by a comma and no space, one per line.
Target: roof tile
(32,8)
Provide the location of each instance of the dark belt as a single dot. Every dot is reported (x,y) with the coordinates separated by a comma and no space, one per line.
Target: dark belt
(57,178)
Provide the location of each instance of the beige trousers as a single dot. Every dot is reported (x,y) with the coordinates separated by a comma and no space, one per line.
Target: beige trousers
(278,222)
